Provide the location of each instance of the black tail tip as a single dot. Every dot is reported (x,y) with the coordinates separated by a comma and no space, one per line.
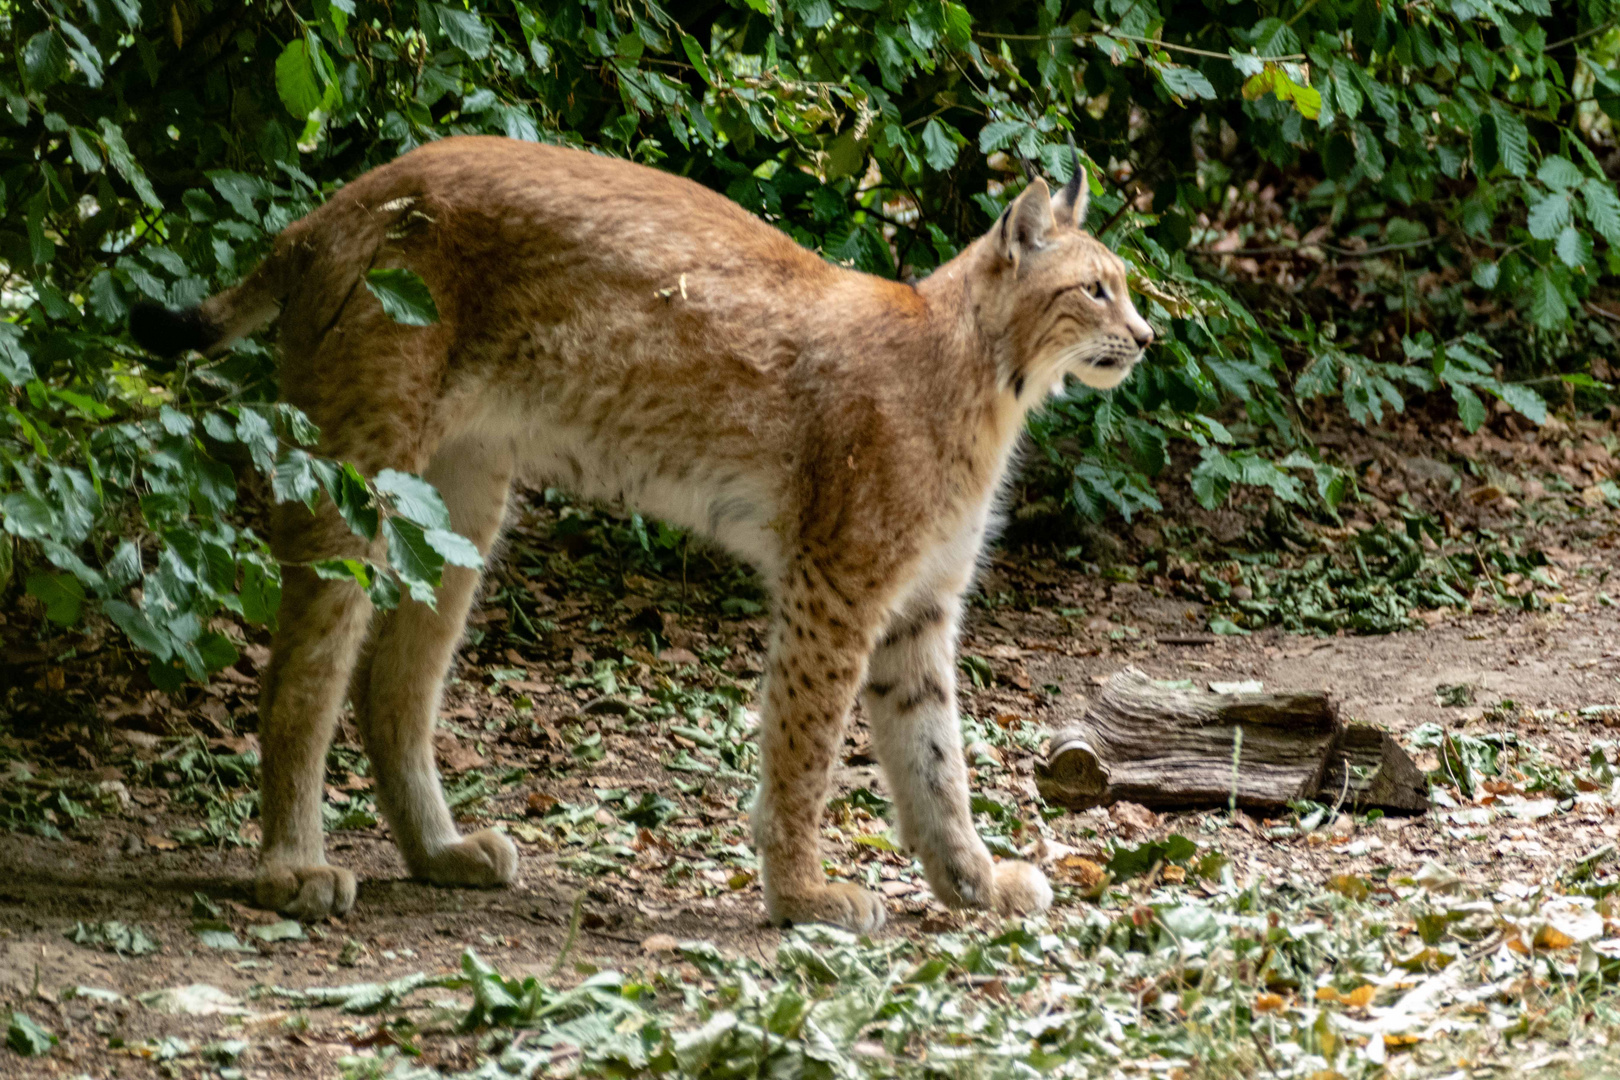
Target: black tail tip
(168,333)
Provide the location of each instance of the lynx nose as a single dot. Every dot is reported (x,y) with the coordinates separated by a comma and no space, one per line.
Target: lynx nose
(1143,335)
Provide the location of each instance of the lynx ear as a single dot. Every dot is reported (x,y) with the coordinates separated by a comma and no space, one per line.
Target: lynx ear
(1027,223)
(1070,204)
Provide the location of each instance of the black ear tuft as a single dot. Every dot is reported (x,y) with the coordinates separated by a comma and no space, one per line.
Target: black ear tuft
(168,333)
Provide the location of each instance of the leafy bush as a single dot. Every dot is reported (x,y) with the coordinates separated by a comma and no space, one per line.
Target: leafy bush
(149,151)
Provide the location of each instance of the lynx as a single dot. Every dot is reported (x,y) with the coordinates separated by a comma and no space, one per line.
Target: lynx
(633,336)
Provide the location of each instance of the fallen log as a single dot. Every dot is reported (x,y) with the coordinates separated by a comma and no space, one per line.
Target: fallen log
(1174,747)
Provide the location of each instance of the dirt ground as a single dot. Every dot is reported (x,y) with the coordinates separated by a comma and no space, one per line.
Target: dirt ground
(562,750)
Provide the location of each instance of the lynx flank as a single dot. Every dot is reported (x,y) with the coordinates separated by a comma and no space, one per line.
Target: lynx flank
(636,337)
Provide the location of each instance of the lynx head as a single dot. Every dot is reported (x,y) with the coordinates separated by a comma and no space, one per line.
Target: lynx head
(1052,298)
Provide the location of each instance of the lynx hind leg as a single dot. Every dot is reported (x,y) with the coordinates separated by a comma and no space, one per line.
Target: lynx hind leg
(321,625)
(817,654)
(910,700)
(397,688)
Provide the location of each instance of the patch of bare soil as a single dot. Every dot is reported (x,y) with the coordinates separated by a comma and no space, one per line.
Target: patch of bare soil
(597,716)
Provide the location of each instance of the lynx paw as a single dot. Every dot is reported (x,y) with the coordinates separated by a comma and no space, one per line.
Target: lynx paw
(305,892)
(838,903)
(1021,889)
(481,859)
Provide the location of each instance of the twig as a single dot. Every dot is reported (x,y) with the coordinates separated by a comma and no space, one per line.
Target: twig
(1237,756)
(1605,312)
(1581,36)
(573,933)
(1258,1045)
(1134,39)
(1350,253)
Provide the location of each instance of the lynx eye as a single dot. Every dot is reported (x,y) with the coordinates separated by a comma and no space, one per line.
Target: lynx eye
(1097,291)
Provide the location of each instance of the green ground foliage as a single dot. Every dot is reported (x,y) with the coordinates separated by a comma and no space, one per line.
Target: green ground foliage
(149,152)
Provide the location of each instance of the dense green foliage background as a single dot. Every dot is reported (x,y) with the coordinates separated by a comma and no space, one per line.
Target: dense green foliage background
(1446,152)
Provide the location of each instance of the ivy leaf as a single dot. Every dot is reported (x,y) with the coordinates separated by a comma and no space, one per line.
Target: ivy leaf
(418,563)
(940,147)
(295,79)
(404,296)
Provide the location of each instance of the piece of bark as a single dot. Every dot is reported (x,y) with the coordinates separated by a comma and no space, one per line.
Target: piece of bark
(1380,775)
(1172,747)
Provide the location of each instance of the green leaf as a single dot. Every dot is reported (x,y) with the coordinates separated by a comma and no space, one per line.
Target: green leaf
(139,629)
(1129,862)
(1525,400)
(62,594)
(1190,82)
(404,296)
(123,162)
(354,502)
(940,144)
(84,150)
(1572,247)
(1512,139)
(1560,173)
(295,79)
(15,366)
(1470,409)
(694,53)
(1602,209)
(414,498)
(44,60)
(466,31)
(27,515)
(1547,307)
(293,479)
(416,561)
(1548,216)
(998,134)
(456,549)
(84,54)
(27,1038)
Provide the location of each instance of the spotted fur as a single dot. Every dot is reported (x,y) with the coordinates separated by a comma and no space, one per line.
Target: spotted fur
(639,338)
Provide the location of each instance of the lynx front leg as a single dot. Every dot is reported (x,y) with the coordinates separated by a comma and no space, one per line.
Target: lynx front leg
(396,689)
(817,655)
(910,702)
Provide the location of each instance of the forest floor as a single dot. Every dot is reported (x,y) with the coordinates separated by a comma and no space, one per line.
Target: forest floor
(599,714)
